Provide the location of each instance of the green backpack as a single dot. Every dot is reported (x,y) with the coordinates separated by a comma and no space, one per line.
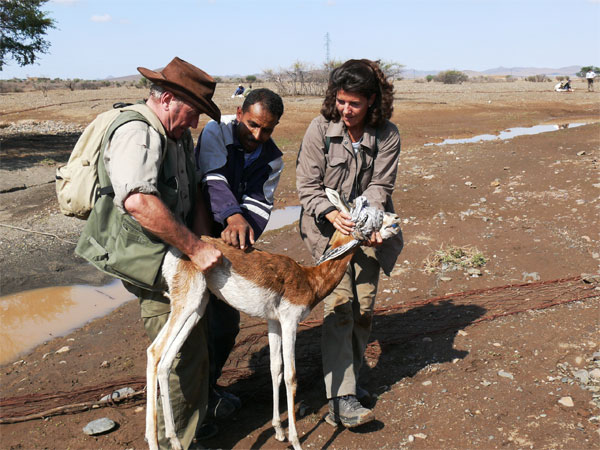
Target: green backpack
(77,185)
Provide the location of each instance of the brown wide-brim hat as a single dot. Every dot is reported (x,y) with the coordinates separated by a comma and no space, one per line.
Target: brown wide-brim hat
(187,82)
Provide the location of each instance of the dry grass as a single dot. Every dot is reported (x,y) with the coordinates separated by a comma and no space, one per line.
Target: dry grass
(451,258)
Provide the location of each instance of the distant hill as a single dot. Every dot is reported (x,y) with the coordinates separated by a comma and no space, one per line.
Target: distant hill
(528,71)
(125,78)
(517,72)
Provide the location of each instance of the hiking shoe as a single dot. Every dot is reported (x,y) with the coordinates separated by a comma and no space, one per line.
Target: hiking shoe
(222,404)
(348,411)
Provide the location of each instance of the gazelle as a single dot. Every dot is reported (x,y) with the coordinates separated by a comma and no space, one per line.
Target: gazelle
(259,284)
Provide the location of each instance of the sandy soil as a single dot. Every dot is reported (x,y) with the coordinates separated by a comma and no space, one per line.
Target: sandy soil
(457,359)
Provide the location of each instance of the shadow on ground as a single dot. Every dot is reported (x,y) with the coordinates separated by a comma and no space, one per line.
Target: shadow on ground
(27,150)
(401,345)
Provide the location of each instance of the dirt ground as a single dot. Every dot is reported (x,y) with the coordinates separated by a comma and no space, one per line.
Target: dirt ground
(503,356)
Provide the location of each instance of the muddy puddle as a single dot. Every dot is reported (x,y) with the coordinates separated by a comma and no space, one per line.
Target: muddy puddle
(509,134)
(32,317)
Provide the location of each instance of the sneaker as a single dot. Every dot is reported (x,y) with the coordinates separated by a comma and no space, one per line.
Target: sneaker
(348,411)
(232,398)
(222,404)
(206,431)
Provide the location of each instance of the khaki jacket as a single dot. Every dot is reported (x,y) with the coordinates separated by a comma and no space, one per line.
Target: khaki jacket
(371,172)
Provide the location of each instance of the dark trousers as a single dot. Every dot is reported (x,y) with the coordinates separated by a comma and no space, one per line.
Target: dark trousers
(223,327)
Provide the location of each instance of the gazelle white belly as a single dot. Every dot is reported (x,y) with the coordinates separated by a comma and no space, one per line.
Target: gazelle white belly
(242,294)
(246,296)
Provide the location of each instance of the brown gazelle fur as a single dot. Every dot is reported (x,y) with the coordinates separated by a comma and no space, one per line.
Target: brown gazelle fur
(259,284)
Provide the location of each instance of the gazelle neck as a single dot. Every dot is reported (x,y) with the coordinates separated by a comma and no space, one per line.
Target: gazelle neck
(326,276)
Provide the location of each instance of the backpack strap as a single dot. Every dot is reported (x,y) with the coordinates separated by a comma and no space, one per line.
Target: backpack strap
(376,149)
(124,117)
(327,144)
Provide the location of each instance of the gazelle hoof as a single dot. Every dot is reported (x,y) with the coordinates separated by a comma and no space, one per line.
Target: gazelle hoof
(175,444)
(280,435)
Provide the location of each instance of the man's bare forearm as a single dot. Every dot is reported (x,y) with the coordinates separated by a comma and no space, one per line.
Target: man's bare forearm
(153,215)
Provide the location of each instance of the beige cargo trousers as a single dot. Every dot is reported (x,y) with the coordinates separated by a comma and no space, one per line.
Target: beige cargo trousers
(348,316)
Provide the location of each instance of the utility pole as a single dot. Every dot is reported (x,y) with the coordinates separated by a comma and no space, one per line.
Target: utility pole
(327,41)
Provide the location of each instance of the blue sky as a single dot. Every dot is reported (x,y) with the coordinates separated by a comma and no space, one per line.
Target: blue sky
(95,39)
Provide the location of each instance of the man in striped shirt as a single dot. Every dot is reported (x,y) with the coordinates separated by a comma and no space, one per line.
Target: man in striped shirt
(239,165)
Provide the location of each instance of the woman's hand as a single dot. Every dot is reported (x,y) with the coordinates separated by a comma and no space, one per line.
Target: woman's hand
(375,240)
(341,222)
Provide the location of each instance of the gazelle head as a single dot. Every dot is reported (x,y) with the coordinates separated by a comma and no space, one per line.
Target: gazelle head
(390,226)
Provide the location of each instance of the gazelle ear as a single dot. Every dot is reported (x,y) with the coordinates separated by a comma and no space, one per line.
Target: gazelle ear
(337,201)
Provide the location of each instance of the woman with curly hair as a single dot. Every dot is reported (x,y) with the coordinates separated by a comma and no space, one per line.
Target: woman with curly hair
(353,148)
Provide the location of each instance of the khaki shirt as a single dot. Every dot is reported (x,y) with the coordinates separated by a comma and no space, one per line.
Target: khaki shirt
(133,159)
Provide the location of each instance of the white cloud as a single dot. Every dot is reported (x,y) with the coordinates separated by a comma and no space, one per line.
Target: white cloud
(102,18)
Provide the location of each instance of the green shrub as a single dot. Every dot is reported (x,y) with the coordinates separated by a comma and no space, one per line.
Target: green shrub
(586,69)
(429,78)
(87,85)
(540,78)
(478,260)
(451,77)
(7,86)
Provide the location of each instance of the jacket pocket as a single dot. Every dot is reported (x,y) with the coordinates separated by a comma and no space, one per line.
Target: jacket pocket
(337,171)
(136,256)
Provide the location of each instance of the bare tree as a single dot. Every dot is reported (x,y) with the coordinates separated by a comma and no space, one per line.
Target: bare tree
(392,69)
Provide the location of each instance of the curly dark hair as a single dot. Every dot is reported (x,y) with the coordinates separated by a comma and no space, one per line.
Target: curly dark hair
(365,77)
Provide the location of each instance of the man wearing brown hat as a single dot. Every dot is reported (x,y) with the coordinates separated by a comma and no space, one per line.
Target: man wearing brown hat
(146,171)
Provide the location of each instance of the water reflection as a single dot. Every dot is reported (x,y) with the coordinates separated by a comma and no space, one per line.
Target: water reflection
(32,317)
(509,134)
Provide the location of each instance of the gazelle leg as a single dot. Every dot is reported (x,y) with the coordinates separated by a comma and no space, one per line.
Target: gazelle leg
(276,374)
(288,336)
(164,369)
(186,311)
(153,355)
